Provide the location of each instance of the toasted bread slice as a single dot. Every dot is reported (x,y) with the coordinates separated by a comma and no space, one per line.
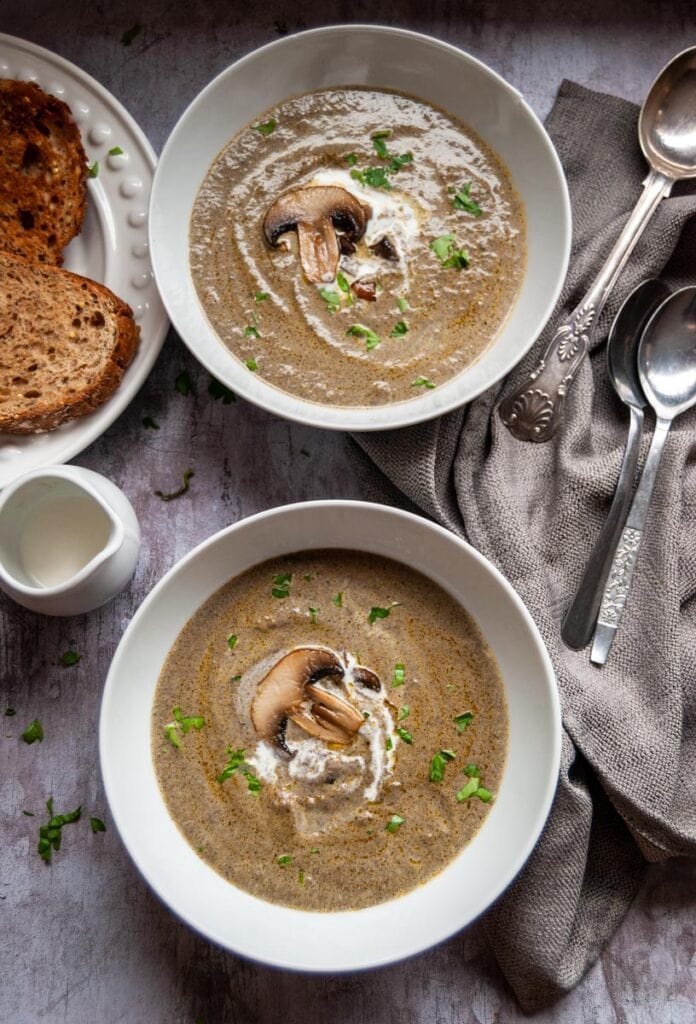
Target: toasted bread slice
(43,168)
(65,342)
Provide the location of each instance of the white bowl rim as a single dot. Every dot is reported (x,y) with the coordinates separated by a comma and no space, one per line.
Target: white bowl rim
(546,797)
(357,418)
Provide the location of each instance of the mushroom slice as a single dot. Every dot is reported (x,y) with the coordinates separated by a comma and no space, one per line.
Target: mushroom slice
(320,730)
(385,249)
(317,212)
(365,288)
(335,711)
(282,690)
(366,677)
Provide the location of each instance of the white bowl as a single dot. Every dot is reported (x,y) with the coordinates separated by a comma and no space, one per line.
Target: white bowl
(348,940)
(380,57)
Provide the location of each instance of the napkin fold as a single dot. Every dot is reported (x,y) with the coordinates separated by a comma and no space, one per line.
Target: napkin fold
(627,787)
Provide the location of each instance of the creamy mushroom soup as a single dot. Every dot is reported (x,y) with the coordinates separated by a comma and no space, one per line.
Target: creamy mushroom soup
(329,730)
(357,247)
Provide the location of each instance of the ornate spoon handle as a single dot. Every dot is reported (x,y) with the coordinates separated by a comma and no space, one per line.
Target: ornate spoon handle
(534,412)
(622,568)
(581,617)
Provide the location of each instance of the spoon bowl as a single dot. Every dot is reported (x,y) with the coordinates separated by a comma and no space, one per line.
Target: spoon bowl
(667,355)
(667,128)
(624,337)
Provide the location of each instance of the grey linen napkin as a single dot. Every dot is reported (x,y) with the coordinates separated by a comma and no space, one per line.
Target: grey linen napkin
(627,788)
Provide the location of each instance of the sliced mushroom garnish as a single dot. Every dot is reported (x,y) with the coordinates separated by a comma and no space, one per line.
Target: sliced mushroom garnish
(366,288)
(283,692)
(366,677)
(317,213)
(385,249)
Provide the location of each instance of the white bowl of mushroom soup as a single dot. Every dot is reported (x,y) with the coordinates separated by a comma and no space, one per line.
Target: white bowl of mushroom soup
(315,736)
(359,227)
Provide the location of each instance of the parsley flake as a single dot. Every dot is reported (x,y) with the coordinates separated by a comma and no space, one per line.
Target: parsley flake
(405,735)
(337,599)
(438,762)
(463,201)
(399,330)
(463,721)
(216,389)
(394,823)
(404,712)
(379,143)
(399,677)
(332,299)
(50,834)
(281,585)
(115,151)
(375,177)
(252,365)
(33,732)
(183,384)
(402,303)
(69,658)
(284,860)
(261,296)
(313,613)
(171,495)
(381,613)
(468,790)
(251,332)
(232,641)
(342,282)
(389,745)
(372,340)
(351,159)
(235,761)
(266,127)
(93,170)
(445,248)
(300,877)
(422,382)
(182,724)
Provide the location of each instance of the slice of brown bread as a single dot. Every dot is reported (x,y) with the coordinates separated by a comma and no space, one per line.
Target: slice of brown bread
(43,167)
(65,342)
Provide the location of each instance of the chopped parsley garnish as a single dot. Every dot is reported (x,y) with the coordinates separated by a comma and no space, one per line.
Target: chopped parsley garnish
(366,715)
(332,299)
(375,177)
(404,712)
(232,640)
(93,170)
(313,612)
(300,877)
(463,201)
(235,679)
(130,34)
(69,658)
(115,151)
(468,790)
(150,423)
(284,860)
(438,762)
(261,296)
(422,382)
(472,771)
(184,385)
(473,787)
(405,735)
(379,143)
(251,332)
(351,159)
(337,599)
(389,745)
(445,248)
(252,365)
(97,825)
(218,390)
(171,495)
(394,823)
(50,834)
(342,283)
(381,613)
(181,724)
(484,794)
(463,721)
(33,732)
(402,303)
(236,761)
(400,329)
(399,677)
(372,340)
(281,585)
(10,712)
(267,127)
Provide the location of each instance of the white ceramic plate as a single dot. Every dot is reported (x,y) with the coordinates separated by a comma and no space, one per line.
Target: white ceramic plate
(381,57)
(348,940)
(112,247)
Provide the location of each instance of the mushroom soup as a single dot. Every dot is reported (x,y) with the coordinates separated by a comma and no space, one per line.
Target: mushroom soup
(357,246)
(329,730)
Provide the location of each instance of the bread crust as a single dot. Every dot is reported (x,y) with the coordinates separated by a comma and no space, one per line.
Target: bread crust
(43,167)
(54,410)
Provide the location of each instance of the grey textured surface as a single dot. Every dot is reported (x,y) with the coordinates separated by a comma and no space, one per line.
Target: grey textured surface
(84,940)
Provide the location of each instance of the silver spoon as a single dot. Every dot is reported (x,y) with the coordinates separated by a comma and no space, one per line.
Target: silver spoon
(622,364)
(667,369)
(667,135)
